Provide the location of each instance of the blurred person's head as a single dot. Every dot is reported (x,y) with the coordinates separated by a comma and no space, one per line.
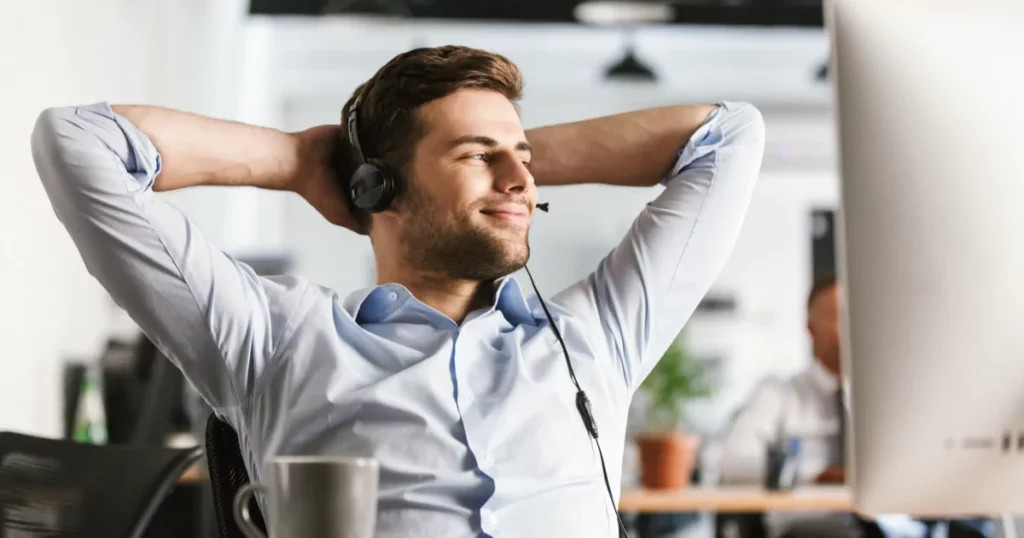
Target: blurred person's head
(445,123)
(823,322)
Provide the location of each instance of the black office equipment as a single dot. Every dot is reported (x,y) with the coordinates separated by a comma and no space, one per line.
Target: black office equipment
(57,488)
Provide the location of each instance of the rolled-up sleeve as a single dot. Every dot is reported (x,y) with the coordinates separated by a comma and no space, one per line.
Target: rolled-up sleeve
(212,316)
(648,286)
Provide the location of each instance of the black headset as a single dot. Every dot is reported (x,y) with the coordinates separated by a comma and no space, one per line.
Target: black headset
(372,186)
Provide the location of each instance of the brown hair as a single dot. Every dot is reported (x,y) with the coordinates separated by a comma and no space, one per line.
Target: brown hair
(388,126)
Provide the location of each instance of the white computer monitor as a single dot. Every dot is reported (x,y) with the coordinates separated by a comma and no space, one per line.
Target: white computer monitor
(929,99)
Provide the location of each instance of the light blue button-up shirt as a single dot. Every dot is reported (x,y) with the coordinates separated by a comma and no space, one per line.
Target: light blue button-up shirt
(474,425)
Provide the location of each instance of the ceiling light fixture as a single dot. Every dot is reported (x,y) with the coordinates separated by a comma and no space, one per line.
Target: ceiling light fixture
(629,15)
(623,13)
(630,68)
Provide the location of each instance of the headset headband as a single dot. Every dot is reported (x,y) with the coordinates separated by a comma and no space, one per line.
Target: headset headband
(353,133)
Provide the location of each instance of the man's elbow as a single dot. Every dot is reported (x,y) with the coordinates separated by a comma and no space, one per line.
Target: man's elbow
(743,139)
(745,125)
(50,123)
(48,138)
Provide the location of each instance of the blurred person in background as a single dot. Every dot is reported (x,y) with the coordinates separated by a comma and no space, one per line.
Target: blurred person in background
(807,406)
(810,406)
(445,371)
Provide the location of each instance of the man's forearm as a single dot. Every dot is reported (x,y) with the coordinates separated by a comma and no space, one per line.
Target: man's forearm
(197,150)
(631,149)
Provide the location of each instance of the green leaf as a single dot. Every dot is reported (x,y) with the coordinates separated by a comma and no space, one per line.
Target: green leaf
(677,379)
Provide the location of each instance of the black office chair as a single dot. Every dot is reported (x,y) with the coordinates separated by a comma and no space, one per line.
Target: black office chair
(59,488)
(227,476)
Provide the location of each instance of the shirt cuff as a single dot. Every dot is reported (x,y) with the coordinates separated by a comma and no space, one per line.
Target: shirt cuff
(710,135)
(139,156)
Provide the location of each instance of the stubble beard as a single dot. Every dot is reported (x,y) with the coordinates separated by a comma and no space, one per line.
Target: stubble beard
(458,249)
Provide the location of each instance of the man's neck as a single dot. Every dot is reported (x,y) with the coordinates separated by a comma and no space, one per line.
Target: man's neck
(451,297)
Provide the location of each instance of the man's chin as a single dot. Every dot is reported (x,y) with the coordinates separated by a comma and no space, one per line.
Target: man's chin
(511,261)
(505,235)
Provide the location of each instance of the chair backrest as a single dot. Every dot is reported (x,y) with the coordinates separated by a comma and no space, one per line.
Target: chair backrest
(227,475)
(59,488)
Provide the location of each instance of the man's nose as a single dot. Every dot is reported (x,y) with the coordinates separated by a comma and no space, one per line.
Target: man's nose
(514,177)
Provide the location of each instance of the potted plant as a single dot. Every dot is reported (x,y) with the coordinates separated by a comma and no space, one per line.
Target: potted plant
(667,453)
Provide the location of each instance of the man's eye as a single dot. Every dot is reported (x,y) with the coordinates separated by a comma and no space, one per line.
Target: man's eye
(479,157)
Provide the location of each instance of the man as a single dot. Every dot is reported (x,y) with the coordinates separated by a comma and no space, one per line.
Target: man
(810,406)
(807,406)
(444,371)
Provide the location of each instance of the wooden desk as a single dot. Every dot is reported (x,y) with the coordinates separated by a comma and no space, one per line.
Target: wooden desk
(698,499)
(737,500)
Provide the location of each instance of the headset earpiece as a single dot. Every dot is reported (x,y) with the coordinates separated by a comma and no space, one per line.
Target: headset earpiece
(372,188)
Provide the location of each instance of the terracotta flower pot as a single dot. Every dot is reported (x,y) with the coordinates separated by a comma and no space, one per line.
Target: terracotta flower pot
(667,460)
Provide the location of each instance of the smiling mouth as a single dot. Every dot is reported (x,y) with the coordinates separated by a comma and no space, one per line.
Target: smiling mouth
(507,216)
(508,212)
(505,213)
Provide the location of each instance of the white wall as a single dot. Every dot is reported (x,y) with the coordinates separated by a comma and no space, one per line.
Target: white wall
(50,52)
(60,52)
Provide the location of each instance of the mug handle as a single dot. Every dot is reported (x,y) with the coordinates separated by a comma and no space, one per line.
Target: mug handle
(242,516)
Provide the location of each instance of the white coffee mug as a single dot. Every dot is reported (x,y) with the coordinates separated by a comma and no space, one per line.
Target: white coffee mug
(314,497)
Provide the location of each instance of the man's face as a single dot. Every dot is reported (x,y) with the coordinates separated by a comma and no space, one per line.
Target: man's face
(823,324)
(467,206)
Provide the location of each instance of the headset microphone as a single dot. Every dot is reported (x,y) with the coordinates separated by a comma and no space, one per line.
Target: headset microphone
(543,207)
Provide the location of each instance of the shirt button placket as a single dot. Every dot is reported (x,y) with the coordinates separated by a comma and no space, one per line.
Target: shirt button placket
(464,392)
(466,399)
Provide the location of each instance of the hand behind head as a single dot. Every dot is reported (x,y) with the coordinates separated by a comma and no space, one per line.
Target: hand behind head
(317,180)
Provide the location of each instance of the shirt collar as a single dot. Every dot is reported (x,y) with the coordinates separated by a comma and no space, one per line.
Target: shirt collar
(373,305)
(376,304)
(822,378)
(510,301)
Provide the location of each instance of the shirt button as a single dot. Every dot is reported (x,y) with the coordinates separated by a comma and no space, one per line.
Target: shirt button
(486,458)
(393,296)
